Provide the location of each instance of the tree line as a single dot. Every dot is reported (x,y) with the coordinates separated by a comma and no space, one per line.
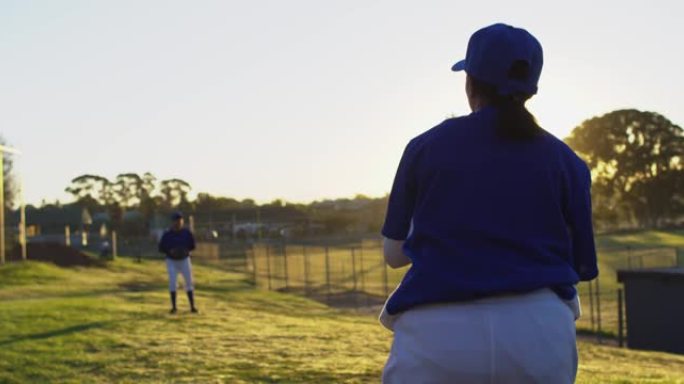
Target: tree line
(637,165)
(636,160)
(148,196)
(129,191)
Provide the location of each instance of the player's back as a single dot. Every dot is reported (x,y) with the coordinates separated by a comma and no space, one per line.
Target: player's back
(488,214)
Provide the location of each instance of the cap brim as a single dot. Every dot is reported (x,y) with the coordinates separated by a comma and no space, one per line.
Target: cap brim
(460,66)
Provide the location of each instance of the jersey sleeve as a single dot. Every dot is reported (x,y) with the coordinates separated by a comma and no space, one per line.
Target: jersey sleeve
(577,212)
(402,198)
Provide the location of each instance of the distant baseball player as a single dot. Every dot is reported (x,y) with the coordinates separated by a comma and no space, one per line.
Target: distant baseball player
(176,244)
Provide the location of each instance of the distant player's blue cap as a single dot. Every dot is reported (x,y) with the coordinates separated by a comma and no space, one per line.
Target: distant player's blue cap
(492,53)
(176,215)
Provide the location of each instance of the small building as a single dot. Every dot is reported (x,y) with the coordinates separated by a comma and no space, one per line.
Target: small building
(654,301)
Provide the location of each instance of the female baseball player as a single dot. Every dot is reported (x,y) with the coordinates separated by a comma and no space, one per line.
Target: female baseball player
(494,215)
(176,244)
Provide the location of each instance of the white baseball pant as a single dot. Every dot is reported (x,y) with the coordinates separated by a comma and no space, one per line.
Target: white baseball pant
(515,339)
(173,267)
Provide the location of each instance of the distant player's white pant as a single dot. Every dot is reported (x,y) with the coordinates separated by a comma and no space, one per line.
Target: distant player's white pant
(182,266)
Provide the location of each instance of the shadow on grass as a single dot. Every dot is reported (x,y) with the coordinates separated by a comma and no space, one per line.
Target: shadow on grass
(56,332)
(131,286)
(220,288)
(142,286)
(78,328)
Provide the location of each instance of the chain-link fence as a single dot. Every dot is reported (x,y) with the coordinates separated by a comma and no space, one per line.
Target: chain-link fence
(603,299)
(355,275)
(352,269)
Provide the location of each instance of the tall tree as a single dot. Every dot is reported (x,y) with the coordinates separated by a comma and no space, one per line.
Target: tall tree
(129,189)
(91,190)
(175,193)
(11,188)
(637,163)
(148,201)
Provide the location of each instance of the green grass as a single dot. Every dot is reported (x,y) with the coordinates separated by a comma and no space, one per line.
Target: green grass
(102,325)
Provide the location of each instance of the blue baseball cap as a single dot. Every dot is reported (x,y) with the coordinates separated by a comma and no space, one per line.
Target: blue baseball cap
(492,53)
(176,215)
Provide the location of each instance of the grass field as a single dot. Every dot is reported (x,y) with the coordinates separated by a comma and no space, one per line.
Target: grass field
(110,325)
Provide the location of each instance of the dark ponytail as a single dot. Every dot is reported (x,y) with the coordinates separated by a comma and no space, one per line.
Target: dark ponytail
(514,120)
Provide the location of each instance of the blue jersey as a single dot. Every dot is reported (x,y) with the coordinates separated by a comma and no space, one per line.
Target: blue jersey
(489,216)
(177,244)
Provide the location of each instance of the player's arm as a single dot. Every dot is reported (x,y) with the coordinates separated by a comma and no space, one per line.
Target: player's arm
(394,253)
(400,210)
(578,216)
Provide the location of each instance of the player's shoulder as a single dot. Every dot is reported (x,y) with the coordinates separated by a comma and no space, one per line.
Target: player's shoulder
(436,133)
(448,128)
(570,161)
(570,156)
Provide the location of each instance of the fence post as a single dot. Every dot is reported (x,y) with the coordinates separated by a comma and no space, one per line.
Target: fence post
(268,266)
(191,223)
(254,267)
(385,278)
(327,269)
(363,272)
(621,337)
(356,294)
(306,270)
(285,265)
(22,230)
(67,236)
(115,247)
(598,309)
(353,256)
(591,305)
(675,258)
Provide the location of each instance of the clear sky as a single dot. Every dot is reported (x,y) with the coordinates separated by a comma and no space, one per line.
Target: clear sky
(298,99)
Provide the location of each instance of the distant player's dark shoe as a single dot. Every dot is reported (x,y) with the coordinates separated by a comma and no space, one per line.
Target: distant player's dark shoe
(194,310)
(172,311)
